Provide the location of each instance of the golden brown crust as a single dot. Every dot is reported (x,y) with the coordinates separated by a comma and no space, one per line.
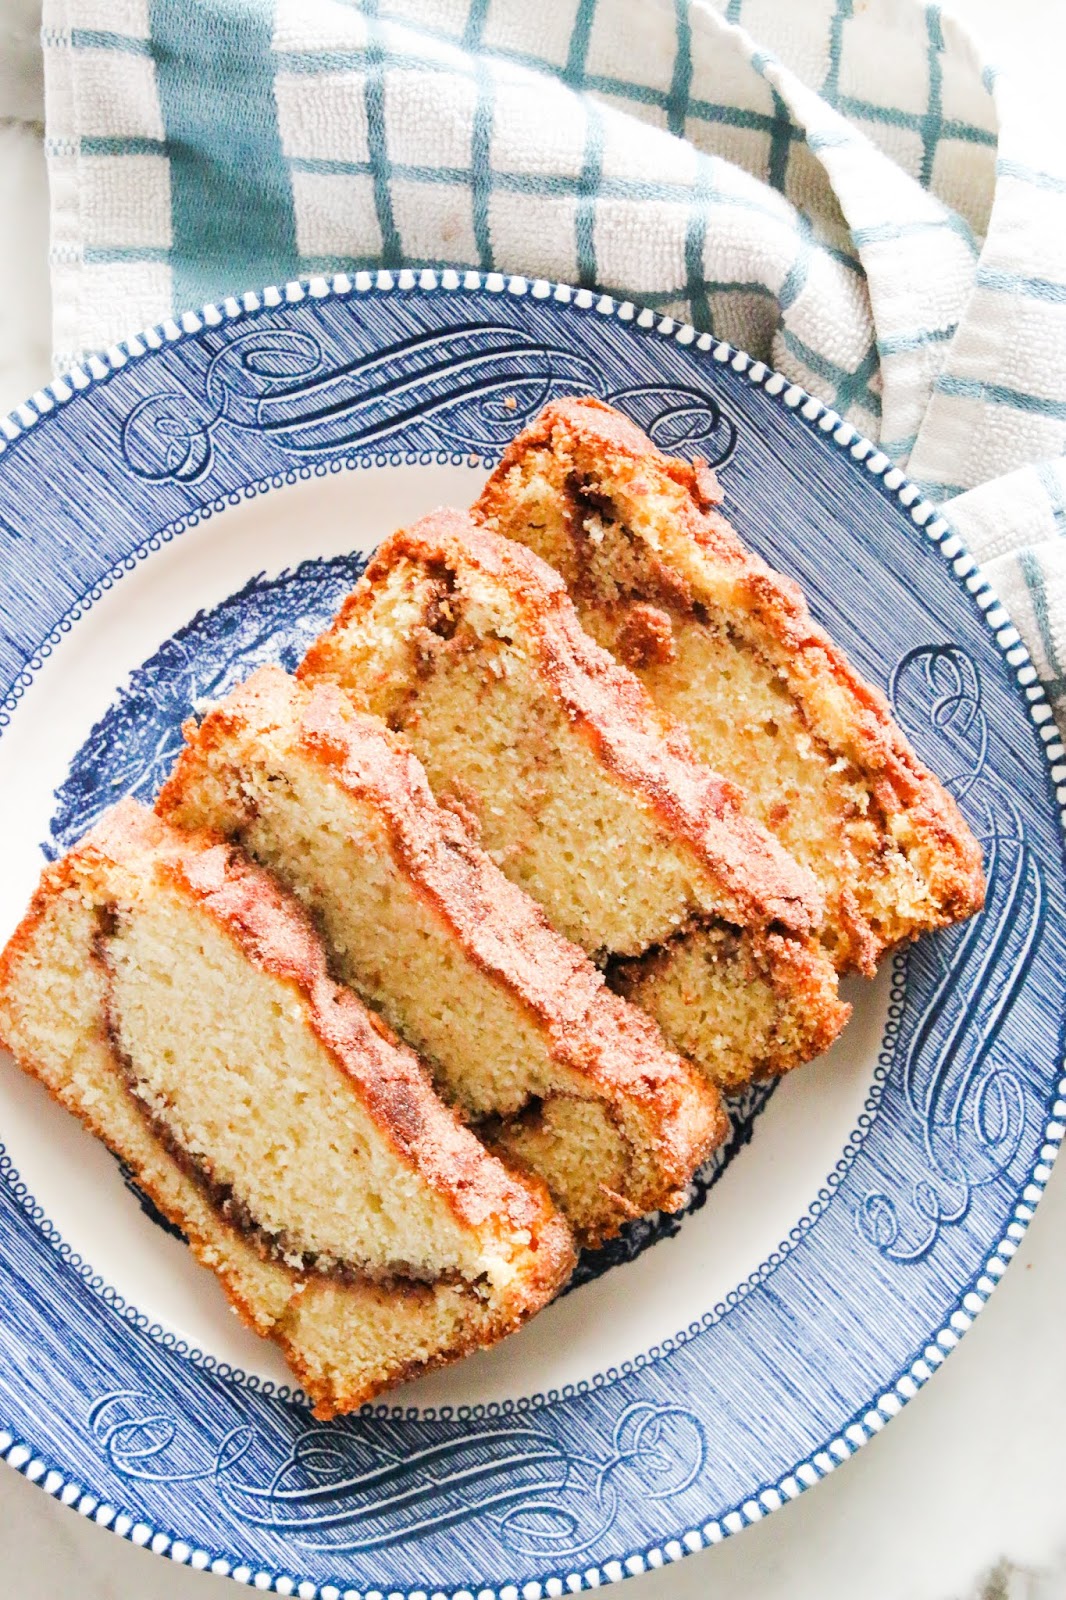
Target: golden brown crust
(647,751)
(588,1029)
(802,651)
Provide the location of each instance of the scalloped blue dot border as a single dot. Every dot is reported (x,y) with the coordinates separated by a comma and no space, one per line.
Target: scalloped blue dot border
(862,1426)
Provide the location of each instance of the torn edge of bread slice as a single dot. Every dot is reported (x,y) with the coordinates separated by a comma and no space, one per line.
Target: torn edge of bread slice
(728,647)
(584,794)
(169,994)
(517,1026)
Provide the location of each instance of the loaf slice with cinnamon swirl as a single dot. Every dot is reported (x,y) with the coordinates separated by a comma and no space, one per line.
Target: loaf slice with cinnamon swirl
(728,647)
(176,1000)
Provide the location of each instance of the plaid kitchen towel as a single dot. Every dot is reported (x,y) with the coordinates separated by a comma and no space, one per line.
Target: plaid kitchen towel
(842,187)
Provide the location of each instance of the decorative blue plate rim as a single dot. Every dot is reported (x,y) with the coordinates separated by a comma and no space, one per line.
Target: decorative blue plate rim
(930,1353)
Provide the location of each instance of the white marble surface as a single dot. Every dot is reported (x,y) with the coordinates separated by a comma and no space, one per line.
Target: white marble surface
(965,1493)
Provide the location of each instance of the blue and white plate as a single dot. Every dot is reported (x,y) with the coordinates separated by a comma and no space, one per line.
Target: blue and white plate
(196,502)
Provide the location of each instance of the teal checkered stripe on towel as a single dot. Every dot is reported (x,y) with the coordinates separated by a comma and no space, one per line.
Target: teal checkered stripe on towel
(247,204)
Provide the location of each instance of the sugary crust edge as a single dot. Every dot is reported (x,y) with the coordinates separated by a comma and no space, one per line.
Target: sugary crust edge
(616,1047)
(806,651)
(649,753)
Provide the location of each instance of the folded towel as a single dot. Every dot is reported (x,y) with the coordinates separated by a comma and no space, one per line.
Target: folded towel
(847,191)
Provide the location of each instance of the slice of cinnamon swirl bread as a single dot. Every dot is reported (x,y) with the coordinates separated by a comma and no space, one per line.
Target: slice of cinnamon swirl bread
(728,647)
(585,795)
(518,1028)
(177,1001)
